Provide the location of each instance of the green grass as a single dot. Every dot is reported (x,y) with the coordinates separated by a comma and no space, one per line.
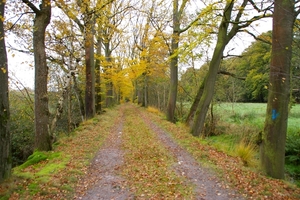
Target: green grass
(253,114)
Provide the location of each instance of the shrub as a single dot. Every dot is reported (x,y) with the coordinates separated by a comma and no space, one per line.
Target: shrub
(246,152)
(292,155)
(154,110)
(21,127)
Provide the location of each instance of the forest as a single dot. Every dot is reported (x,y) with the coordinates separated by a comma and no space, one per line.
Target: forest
(184,58)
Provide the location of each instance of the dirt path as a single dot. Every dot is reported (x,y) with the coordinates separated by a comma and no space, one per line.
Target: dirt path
(207,186)
(103,181)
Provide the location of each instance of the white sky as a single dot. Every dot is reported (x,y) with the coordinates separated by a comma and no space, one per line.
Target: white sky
(20,67)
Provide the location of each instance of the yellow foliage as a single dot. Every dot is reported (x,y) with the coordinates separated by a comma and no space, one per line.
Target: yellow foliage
(154,110)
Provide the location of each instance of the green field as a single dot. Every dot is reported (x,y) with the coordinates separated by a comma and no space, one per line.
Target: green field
(254,114)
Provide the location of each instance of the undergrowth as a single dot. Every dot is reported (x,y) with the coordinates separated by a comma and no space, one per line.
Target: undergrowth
(54,175)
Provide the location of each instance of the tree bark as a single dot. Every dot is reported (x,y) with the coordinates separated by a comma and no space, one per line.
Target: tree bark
(108,71)
(5,137)
(193,109)
(41,111)
(98,97)
(146,99)
(272,152)
(174,64)
(90,68)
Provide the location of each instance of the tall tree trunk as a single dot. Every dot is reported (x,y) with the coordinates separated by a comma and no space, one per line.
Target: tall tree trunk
(174,64)
(224,36)
(145,91)
(193,109)
(69,102)
(140,95)
(108,71)
(5,137)
(90,69)
(208,90)
(41,110)
(274,136)
(98,74)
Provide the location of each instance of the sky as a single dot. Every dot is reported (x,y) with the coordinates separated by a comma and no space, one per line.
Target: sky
(20,69)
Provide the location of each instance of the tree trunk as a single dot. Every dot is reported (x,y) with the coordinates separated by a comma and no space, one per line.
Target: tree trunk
(60,105)
(90,69)
(272,150)
(174,64)
(209,82)
(145,89)
(41,111)
(108,72)
(190,117)
(69,103)
(208,90)
(98,74)
(5,137)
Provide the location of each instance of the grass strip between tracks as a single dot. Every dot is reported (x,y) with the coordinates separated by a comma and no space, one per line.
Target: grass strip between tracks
(148,165)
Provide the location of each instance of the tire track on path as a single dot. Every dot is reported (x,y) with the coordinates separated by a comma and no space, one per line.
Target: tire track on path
(207,186)
(102,181)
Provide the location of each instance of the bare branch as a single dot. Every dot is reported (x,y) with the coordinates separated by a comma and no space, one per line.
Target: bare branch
(30,52)
(231,74)
(257,38)
(12,26)
(32,6)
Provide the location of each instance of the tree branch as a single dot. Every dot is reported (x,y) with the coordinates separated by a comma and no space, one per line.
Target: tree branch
(231,74)
(32,6)
(71,16)
(257,38)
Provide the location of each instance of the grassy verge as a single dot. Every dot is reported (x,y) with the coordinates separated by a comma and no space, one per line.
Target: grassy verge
(148,165)
(231,169)
(237,129)
(245,120)
(54,175)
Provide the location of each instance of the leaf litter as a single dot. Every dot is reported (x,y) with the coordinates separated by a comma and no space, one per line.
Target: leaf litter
(139,157)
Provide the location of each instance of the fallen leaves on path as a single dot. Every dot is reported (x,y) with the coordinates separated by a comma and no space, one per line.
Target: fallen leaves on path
(252,184)
(147,166)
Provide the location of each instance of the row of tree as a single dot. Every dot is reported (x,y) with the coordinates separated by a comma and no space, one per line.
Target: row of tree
(131,50)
